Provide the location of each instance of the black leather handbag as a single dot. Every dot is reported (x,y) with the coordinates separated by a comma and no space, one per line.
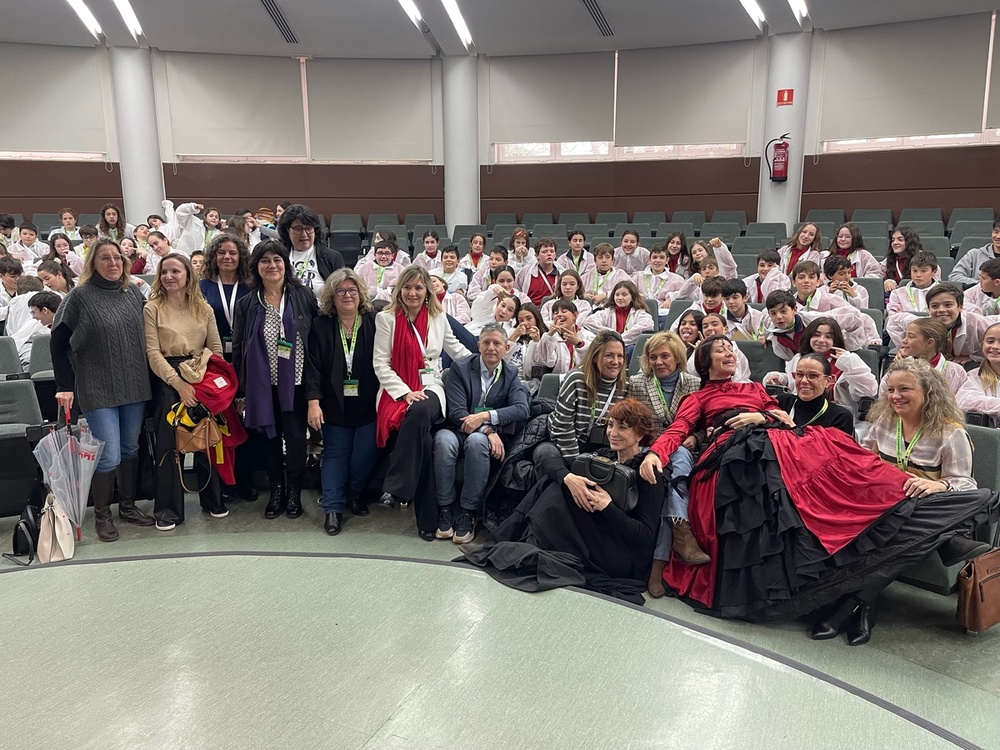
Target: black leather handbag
(25,538)
(617,480)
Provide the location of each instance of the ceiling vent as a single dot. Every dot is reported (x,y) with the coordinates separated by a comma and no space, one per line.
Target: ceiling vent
(279,20)
(598,15)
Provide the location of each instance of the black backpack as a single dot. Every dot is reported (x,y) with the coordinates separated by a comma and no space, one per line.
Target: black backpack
(25,540)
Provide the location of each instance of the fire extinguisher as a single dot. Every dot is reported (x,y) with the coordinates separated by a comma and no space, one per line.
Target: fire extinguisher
(778,165)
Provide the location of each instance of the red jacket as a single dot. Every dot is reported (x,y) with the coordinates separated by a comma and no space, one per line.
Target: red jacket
(216,392)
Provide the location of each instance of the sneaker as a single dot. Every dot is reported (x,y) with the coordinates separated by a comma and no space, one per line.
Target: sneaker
(465,528)
(445,524)
(165,526)
(221,512)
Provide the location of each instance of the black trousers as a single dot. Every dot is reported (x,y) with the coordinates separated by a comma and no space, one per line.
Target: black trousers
(168,505)
(410,475)
(285,453)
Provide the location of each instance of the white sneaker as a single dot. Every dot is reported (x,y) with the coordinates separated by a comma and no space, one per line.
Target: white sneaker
(165,526)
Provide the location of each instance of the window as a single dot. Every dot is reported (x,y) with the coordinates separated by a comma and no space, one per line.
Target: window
(914,141)
(520,153)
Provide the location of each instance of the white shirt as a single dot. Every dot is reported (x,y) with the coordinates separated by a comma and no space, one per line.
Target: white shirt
(306,269)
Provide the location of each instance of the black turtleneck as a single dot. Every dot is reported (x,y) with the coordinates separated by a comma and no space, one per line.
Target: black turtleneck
(835,415)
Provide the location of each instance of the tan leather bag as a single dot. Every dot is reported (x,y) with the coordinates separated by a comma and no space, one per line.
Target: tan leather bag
(56,541)
(979,590)
(192,435)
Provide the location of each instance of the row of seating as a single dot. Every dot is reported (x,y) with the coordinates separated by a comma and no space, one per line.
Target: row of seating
(907,216)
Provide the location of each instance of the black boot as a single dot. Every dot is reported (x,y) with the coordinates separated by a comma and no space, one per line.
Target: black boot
(245,488)
(276,505)
(960,549)
(294,507)
(833,625)
(859,629)
(334,523)
(101,487)
(358,506)
(127,511)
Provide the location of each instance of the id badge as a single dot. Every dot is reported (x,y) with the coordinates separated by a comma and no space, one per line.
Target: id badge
(599,435)
(427,376)
(227,346)
(284,349)
(350,388)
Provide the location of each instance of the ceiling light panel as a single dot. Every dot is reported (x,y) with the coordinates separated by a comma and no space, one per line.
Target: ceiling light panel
(87,17)
(461,28)
(799,9)
(130,18)
(412,11)
(756,14)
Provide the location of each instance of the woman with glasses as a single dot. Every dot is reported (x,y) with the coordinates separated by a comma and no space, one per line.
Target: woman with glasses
(311,260)
(99,358)
(811,403)
(271,328)
(341,386)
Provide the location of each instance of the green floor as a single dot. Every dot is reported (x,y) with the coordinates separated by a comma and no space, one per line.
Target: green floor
(282,651)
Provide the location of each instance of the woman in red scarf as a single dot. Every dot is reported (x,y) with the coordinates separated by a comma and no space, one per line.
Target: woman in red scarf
(624,312)
(805,244)
(410,335)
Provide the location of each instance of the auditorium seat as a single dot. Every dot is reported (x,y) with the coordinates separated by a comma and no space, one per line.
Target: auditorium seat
(676,308)
(558,231)
(776,229)
(375,220)
(667,228)
(19,411)
(872,214)
(834,215)
(653,218)
(695,218)
(727,231)
(529,220)
(346,223)
(876,292)
(402,235)
(595,233)
(877,246)
(827,230)
(746,263)
(737,217)
(644,230)
(871,358)
(872,228)
(946,264)
(962,229)
(748,245)
(640,345)
(611,218)
(549,387)
(45,223)
(969,214)
(877,315)
(412,220)
(930,228)
(465,231)
(939,245)
(762,359)
(10,363)
(94,219)
(506,230)
(571,219)
(653,306)
(908,215)
(493,219)
(968,243)
(419,229)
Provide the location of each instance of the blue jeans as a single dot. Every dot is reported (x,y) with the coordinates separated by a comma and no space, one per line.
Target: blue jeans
(675,501)
(349,457)
(476,469)
(118,427)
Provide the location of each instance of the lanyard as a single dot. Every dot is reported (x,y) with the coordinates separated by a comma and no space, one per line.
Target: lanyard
(496,378)
(652,291)
(281,312)
(576,261)
(607,405)
(826,405)
(903,454)
(808,303)
(423,346)
(600,280)
(659,392)
(349,350)
(379,273)
(227,310)
(545,278)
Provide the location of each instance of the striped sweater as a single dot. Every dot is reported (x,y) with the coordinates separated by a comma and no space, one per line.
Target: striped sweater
(569,425)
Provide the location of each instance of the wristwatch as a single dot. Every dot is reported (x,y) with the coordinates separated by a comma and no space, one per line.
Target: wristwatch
(487,430)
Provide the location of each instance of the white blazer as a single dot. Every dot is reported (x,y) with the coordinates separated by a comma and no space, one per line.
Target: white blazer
(439,337)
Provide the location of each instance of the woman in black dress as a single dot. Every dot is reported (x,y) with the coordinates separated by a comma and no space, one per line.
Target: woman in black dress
(811,405)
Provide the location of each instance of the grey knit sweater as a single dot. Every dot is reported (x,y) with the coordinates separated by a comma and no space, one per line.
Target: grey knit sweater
(569,424)
(99,329)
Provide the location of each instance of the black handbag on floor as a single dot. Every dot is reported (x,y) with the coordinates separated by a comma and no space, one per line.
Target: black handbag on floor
(617,480)
(25,537)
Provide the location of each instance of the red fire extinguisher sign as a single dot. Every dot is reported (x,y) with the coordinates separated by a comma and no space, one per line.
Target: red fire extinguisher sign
(785,97)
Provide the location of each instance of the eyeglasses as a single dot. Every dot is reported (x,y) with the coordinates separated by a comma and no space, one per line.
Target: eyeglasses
(108,259)
(812,377)
(302,230)
(347,292)
(273,260)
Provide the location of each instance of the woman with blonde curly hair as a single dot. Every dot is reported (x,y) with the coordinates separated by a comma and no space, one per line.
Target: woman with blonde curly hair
(340,390)
(179,324)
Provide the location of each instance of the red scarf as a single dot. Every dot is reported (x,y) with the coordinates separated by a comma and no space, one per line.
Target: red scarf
(710,310)
(441,296)
(793,257)
(672,261)
(760,291)
(835,371)
(406,359)
(621,318)
(791,342)
(476,259)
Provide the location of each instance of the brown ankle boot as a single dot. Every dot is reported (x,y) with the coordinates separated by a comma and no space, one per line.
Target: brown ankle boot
(654,587)
(686,547)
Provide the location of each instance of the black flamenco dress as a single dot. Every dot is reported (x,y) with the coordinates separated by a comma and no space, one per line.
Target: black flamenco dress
(549,541)
(793,519)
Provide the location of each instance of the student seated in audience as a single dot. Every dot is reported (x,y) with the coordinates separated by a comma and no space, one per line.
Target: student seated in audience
(482,395)
(629,256)
(678,256)
(386,235)
(141,237)
(195,226)
(565,514)
(927,338)
(966,328)
(850,378)
(523,341)
(159,248)
(476,256)
(453,303)
(811,401)
(984,298)
(498,304)
(130,254)
(156,223)
(521,254)
(112,225)
(312,261)
(18,313)
(810,296)
(688,328)
(805,244)
(430,256)
(10,271)
(88,238)
(716,248)
(28,249)
(850,245)
(539,279)
(714,324)
(42,307)
(449,270)
(487,273)
(61,249)
(787,325)
(7,225)
(912,297)
(599,280)
(570,287)
(380,274)
(904,243)
(980,392)
(578,259)
(624,312)
(964,272)
(656,282)
(768,278)
(67,218)
(564,345)
(743,322)
(708,295)
(57,277)
(198,262)
(837,270)
(708,268)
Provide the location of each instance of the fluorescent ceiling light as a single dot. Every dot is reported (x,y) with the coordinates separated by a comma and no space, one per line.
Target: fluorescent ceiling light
(412,11)
(458,22)
(756,14)
(129,17)
(799,9)
(87,17)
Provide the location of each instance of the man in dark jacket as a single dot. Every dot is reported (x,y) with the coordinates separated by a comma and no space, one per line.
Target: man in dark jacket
(481,394)
(300,231)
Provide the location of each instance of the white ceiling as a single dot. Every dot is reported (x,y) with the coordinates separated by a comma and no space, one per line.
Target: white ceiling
(380,28)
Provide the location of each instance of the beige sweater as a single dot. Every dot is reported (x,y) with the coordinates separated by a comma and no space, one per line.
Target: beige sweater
(177,333)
